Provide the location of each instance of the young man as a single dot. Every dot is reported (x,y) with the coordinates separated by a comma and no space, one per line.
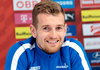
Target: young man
(48,48)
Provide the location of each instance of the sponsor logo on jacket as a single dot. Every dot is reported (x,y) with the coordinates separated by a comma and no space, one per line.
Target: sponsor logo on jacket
(35,68)
(64,66)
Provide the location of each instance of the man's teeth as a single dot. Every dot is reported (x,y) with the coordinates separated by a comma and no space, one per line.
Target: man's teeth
(52,41)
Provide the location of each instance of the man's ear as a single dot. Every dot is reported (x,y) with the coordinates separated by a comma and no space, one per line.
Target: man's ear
(33,30)
(65,27)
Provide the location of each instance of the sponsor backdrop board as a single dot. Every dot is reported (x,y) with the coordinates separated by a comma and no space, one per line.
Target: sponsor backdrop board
(22,32)
(96,68)
(23,18)
(91,29)
(71,30)
(90,15)
(20,5)
(66,3)
(81,16)
(94,57)
(90,3)
(70,16)
(92,43)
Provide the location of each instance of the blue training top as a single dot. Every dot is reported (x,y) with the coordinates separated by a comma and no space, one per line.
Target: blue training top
(25,55)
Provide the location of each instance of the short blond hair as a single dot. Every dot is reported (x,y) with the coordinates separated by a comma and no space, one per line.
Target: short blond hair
(48,7)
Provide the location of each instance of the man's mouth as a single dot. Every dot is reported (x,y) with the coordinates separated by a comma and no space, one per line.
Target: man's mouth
(52,42)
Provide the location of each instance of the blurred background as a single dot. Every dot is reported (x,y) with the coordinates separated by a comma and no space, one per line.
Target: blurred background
(81,16)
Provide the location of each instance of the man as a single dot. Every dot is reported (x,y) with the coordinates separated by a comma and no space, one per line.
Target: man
(48,48)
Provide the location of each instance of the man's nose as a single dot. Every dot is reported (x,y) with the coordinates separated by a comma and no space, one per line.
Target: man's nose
(53,34)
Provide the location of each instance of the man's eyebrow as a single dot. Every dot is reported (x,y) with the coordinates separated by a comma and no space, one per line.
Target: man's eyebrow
(57,25)
(60,25)
(45,25)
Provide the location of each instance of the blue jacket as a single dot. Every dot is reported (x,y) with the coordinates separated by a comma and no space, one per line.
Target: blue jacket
(25,55)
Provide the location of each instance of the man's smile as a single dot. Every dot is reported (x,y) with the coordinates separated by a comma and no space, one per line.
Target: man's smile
(52,42)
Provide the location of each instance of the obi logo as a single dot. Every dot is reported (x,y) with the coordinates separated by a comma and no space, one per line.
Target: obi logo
(96,55)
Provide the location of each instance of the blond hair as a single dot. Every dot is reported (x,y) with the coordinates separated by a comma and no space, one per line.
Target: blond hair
(48,7)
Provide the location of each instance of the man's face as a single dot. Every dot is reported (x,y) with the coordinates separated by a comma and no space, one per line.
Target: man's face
(50,32)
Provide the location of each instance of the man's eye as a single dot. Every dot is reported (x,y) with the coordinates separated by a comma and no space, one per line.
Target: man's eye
(58,28)
(45,28)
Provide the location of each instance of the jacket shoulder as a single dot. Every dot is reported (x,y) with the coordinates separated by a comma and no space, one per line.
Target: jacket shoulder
(17,52)
(77,54)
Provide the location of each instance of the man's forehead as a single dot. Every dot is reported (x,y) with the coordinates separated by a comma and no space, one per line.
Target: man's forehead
(46,14)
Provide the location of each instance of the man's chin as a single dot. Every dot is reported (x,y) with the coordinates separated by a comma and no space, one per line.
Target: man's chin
(51,51)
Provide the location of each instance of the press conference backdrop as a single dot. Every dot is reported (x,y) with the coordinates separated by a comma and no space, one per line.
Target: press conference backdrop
(82,17)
